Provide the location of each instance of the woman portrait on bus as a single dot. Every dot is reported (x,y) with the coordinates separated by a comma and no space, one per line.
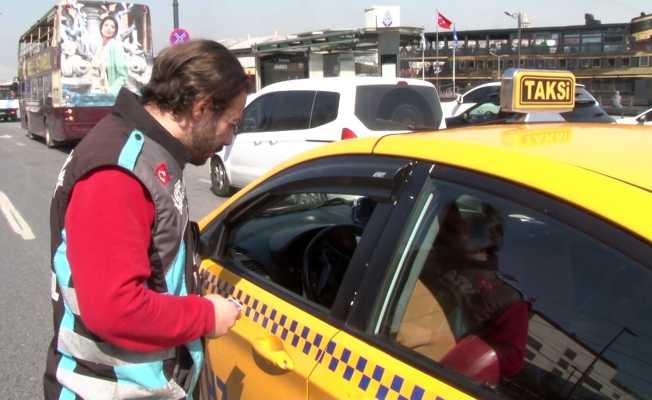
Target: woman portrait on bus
(110,59)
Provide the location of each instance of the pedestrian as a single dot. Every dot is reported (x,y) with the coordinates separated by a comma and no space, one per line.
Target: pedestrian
(128,319)
(616,101)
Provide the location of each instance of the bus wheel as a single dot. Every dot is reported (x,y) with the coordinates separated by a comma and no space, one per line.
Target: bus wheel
(49,140)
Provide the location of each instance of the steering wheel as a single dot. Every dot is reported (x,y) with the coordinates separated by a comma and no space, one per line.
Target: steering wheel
(325,261)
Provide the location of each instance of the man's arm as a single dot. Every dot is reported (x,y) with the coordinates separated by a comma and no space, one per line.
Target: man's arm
(108,225)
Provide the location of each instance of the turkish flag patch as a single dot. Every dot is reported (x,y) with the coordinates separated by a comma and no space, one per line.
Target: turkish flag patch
(163,174)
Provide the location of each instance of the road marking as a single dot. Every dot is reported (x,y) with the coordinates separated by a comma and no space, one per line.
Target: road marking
(5,137)
(20,144)
(14,218)
(204,181)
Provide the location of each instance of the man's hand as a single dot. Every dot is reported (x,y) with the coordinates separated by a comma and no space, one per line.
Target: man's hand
(226,313)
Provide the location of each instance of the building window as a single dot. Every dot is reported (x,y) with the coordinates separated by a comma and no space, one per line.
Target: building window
(534,343)
(591,43)
(592,383)
(570,354)
(572,43)
(563,363)
(645,61)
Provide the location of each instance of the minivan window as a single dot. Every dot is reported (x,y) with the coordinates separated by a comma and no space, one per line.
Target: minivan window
(291,110)
(391,107)
(257,115)
(325,108)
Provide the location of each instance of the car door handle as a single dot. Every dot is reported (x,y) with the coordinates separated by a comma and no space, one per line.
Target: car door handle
(273,142)
(258,142)
(271,349)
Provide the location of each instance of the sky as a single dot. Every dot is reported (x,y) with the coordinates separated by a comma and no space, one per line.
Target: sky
(229,19)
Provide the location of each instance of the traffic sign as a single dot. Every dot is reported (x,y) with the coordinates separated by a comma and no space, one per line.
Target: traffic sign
(178,36)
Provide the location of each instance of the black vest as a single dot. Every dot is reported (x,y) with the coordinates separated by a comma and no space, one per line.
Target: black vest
(79,363)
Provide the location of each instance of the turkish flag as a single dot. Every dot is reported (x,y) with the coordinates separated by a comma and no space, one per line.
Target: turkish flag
(443,22)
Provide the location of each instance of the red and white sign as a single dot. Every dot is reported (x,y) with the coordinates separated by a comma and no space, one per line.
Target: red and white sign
(178,36)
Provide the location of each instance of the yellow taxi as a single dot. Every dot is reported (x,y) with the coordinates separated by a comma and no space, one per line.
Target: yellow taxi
(494,262)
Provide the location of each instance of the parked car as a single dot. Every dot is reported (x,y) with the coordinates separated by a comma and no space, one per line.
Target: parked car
(481,105)
(286,118)
(644,118)
(487,262)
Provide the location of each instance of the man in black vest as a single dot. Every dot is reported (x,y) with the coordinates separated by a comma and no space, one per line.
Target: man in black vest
(128,317)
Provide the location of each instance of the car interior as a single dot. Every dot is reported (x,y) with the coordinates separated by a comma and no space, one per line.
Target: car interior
(302,242)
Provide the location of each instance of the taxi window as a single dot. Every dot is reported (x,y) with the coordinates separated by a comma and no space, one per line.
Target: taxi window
(300,242)
(510,297)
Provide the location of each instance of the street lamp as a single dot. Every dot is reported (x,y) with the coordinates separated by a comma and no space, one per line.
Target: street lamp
(498,56)
(518,16)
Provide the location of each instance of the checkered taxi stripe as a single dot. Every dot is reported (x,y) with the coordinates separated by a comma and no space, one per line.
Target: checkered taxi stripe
(351,367)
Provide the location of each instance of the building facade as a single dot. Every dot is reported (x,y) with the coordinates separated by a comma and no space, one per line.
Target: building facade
(604,57)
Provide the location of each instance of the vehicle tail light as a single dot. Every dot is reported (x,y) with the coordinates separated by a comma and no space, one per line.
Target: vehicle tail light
(348,134)
(68,111)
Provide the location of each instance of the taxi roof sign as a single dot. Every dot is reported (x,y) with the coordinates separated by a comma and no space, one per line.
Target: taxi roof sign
(527,91)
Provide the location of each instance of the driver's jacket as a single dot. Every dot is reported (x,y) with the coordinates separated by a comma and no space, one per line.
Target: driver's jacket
(80,364)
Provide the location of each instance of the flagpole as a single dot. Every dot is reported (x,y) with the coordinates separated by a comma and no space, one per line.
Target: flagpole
(454,48)
(437,52)
(423,54)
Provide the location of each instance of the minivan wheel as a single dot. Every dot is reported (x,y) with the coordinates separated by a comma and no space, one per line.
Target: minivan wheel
(220,185)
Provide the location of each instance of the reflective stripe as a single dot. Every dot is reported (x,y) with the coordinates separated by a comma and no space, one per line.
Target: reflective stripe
(66,365)
(82,348)
(70,298)
(196,350)
(175,278)
(61,265)
(100,389)
(148,375)
(131,150)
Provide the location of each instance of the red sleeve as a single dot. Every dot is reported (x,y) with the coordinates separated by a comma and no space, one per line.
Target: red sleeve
(108,226)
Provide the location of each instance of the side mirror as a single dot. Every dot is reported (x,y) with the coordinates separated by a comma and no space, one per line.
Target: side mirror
(362,209)
(641,120)
(474,358)
(459,99)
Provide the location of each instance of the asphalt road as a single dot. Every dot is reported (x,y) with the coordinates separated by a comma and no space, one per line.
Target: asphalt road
(30,172)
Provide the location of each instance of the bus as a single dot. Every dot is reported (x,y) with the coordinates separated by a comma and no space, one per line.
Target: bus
(73,61)
(9,101)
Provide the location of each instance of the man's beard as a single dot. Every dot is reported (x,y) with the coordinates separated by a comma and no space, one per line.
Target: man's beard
(203,141)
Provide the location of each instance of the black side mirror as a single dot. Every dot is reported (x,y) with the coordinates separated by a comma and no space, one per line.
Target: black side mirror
(362,209)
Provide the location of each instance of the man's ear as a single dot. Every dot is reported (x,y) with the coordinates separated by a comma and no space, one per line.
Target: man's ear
(199,107)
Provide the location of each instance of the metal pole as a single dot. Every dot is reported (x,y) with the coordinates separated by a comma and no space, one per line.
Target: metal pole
(423,55)
(437,53)
(588,369)
(175,12)
(519,19)
(498,66)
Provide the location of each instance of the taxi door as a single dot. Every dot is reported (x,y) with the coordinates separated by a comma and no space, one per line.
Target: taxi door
(272,349)
(354,369)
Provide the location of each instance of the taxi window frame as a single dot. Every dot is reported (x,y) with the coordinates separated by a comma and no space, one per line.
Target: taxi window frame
(362,319)
(330,174)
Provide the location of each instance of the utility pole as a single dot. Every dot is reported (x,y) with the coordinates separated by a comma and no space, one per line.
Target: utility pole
(175,12)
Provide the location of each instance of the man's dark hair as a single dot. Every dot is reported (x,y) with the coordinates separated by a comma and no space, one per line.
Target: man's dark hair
(189,71)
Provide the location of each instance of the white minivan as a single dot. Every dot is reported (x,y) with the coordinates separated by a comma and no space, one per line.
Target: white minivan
(287,118)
